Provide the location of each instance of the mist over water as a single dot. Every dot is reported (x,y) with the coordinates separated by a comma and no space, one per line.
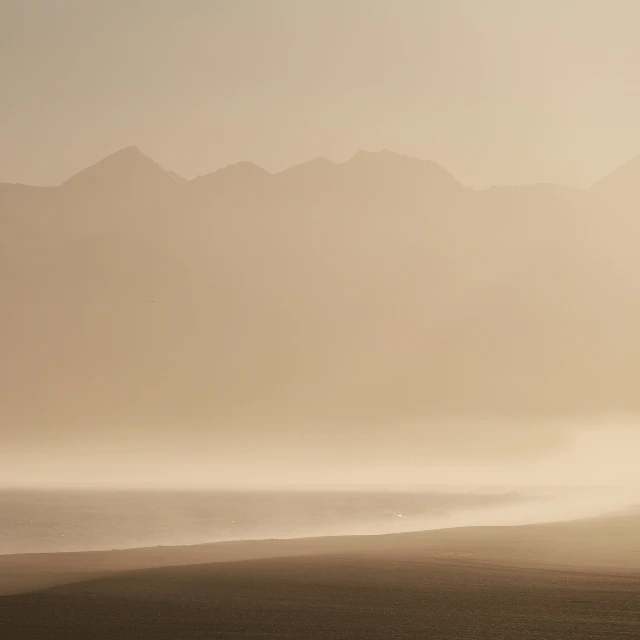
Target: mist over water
(47,521)
(539,508)
(133,504)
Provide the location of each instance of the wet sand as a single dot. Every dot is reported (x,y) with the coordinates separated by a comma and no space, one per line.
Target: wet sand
(574,580)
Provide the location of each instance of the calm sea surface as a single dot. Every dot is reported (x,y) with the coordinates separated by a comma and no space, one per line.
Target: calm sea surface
(46,521)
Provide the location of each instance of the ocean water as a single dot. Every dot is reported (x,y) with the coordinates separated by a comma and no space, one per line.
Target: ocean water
(50,521)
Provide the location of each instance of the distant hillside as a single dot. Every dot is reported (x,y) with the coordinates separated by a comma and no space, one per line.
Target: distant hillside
(378,291)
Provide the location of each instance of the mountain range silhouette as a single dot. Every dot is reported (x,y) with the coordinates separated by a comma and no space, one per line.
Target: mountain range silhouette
(375,291)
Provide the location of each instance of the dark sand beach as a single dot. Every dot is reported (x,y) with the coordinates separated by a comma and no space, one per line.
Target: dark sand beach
(569,580)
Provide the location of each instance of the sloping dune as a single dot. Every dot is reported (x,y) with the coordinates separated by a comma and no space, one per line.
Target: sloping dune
(571,580)
(331,597)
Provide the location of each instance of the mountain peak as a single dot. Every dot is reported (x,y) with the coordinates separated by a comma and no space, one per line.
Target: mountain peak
(624,179)
(396,166)
(318,162)
(233,174)
(245,167)
(384,154)
(127,167)
(310,167)
(132,151)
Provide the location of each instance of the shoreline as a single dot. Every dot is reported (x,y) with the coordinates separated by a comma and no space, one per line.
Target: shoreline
(527,582)
(596,544)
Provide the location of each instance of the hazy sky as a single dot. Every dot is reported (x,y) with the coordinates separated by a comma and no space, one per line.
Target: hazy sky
(497,91)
